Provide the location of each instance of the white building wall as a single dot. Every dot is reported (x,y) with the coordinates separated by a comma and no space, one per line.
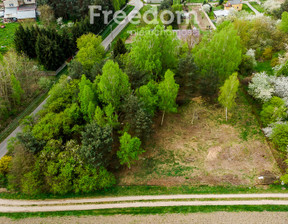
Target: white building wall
(11,3)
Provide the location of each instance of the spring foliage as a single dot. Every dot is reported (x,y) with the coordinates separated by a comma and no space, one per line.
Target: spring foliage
(228,93)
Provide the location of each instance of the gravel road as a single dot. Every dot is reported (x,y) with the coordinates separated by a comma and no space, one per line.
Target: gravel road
(199,218)
(139,201)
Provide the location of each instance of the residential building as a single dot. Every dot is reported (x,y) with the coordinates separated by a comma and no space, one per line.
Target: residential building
(19,9)
(236,4)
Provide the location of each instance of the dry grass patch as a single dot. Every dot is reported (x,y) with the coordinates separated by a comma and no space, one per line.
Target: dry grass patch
(197,147)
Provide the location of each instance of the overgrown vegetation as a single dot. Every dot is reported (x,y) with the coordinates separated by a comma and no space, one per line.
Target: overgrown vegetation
(97,120)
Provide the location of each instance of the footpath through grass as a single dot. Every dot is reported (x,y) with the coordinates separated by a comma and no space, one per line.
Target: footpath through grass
(153,190)
(151,210)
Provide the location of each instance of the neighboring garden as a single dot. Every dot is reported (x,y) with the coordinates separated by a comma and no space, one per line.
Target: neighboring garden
(157,112)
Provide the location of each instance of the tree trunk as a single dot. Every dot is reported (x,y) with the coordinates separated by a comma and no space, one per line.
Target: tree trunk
(163,118)
(226,113)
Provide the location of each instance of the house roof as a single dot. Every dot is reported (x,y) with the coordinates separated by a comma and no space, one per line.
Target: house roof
(22,12)
(235,2)
(26,14)
(220,13)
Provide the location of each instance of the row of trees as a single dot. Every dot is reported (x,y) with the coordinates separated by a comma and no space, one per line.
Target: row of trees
(90,127)
(52,46)
(19,81)
(76,10)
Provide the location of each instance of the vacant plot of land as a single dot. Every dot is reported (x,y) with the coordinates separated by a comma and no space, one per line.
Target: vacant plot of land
(200,18)
(217,217)
(197,146)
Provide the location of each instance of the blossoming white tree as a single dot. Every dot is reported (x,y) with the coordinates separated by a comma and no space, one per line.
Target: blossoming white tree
(260,87)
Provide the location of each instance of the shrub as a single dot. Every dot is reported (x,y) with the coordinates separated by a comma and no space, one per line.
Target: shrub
(130,149)
(280,136)
(268,53)
(4,164)
(273,111)
(260,87)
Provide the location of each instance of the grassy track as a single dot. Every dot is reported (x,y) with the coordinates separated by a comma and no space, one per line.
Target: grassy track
(147,211)
(152,190)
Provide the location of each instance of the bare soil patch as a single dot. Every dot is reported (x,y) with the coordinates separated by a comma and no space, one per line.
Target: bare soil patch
(216,217)
(198,147)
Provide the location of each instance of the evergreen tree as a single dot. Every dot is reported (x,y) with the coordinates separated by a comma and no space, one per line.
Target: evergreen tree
(49,53)
(119,48)
(20,40)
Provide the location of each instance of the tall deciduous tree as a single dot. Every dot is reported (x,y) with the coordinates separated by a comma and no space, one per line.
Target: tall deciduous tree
(87,98)
(217,58)
(91,50)
(228,93)
(113,85)
(17,91)
(47,15)
(156,50)
(130,149)
(167,93)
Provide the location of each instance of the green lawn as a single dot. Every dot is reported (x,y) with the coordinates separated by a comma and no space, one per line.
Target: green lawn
(154,190)
(246,8)
(113,24)
(7,36)
(152,210)
(258,7)
(195,1)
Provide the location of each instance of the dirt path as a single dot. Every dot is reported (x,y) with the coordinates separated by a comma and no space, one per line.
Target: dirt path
(199,218)
(137,201)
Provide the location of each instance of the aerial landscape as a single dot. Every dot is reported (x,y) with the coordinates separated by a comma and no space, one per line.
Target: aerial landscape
(143,111)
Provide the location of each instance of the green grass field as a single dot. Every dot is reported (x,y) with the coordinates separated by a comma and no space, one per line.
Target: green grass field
(258,7)
(113,24)
(247,9)
(7,36)
(152,190)
(148,211)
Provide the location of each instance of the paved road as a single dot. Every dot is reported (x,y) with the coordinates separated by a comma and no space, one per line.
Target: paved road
(138,5)
(139,201)
(3,145)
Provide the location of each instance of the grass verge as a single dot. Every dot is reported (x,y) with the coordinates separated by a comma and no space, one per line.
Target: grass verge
(151,211)
(111,26)
(258,7)
(152,190)
(7,36)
